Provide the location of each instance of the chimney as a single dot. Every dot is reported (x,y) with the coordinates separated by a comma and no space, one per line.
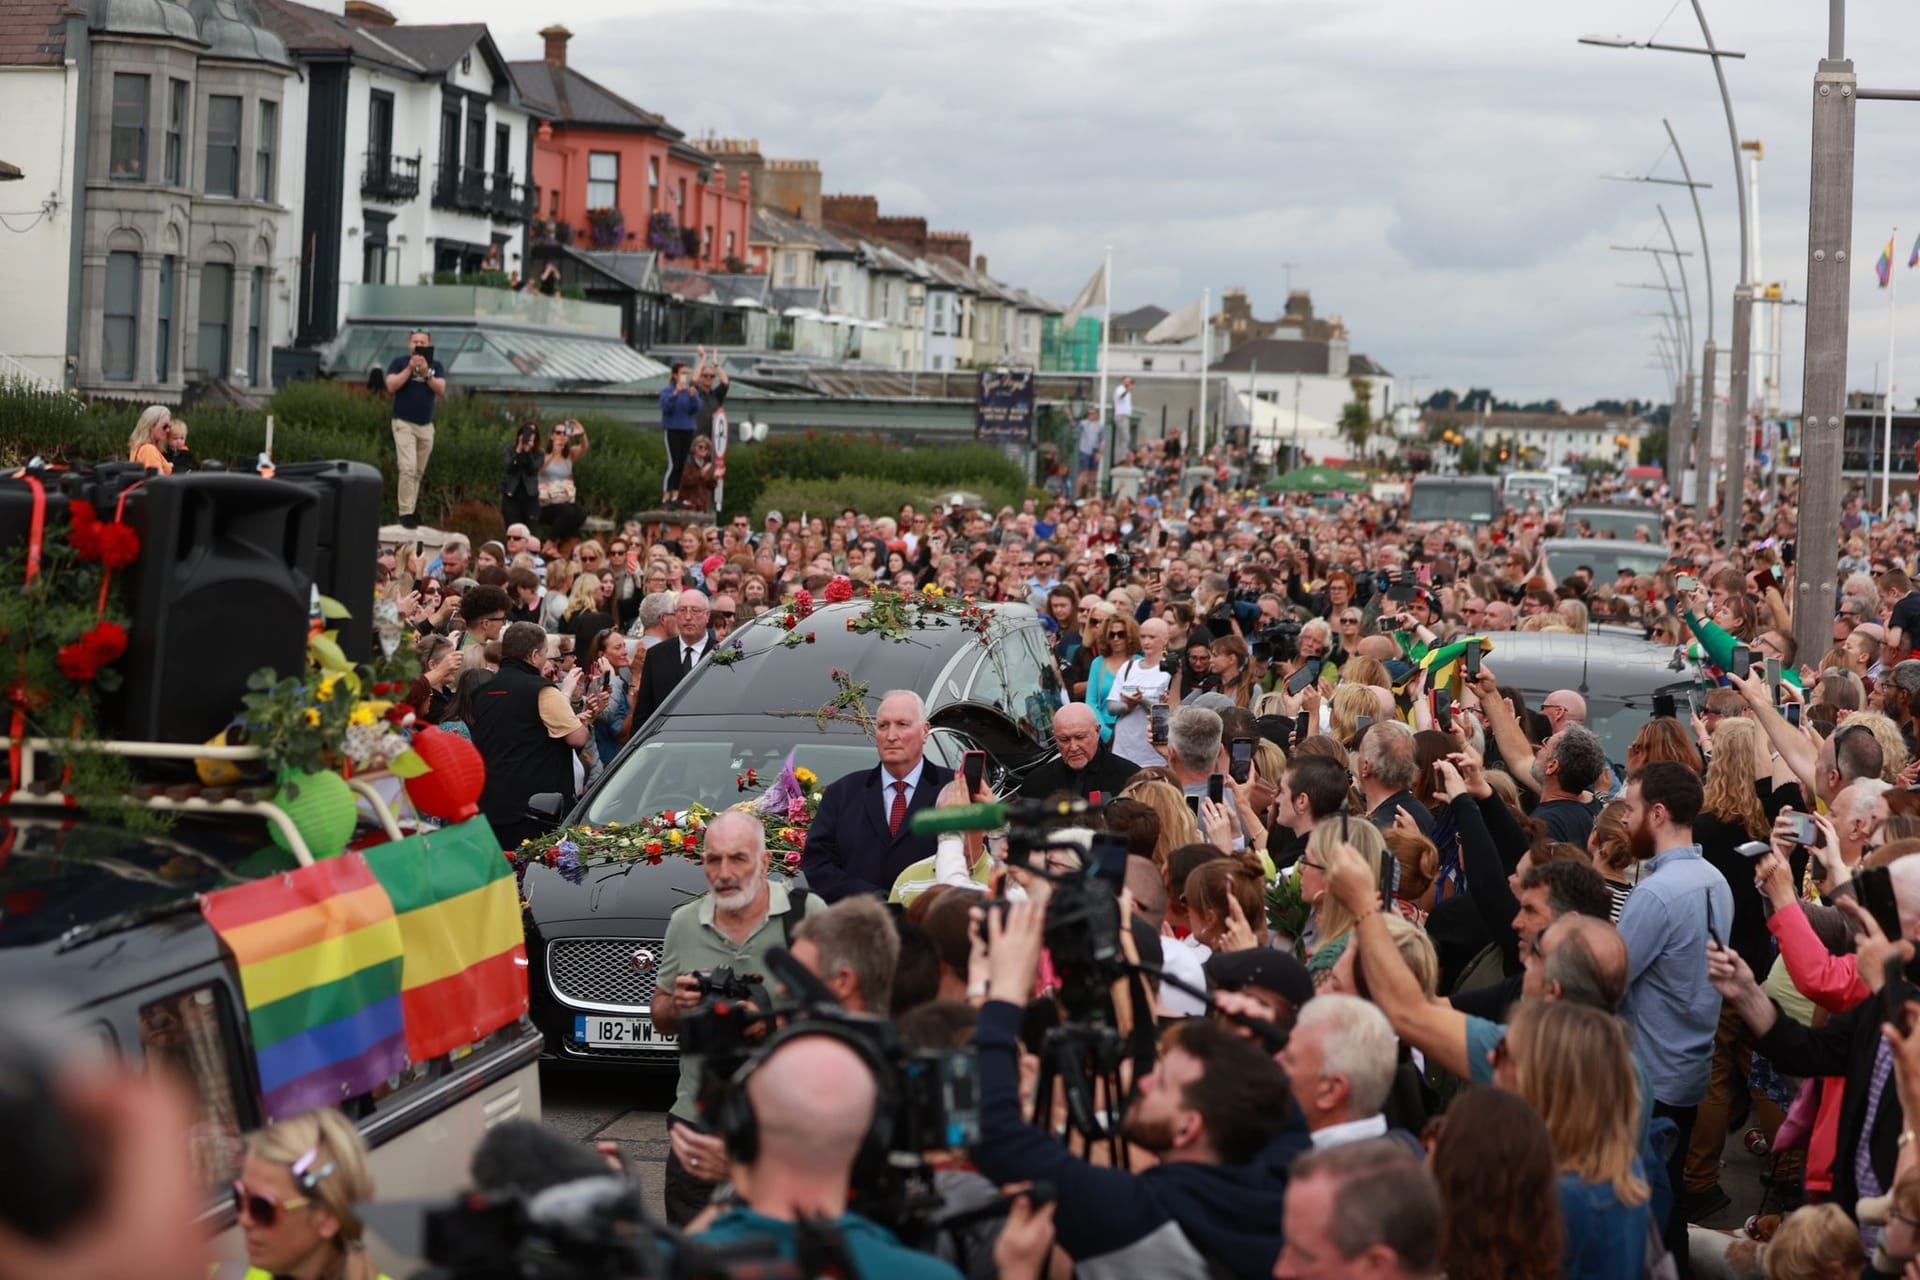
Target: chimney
(368,14)
(556,37)
(980,264)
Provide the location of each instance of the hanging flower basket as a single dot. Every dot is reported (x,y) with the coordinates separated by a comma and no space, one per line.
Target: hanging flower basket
(663,235)
(606,227)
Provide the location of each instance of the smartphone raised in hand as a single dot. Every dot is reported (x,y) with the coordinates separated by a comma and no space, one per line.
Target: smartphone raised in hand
(1240,760)
(1740,665)
(1443,710)
(973,767)
(1157,723)
(1217,788)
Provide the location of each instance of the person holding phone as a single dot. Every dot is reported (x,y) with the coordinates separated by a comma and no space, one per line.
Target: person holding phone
(417,382)
(1139,682)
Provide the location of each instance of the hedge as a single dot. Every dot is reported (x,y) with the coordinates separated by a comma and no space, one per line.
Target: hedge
(619,475)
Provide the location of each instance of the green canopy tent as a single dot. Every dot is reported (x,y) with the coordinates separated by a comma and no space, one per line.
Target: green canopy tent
(1316,480)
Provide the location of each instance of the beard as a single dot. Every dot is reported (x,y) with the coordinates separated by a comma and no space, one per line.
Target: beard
(1151,1135)
(737,896)
(1640,840)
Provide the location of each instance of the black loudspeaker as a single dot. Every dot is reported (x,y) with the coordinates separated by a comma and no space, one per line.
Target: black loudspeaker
(224,586)
(348,541)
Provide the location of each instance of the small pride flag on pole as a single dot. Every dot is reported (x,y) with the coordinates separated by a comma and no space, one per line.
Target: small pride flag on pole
(1913,259)
(1884,267)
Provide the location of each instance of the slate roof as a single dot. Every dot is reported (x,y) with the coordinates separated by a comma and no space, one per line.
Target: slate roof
(564,95)
(33,33)
(437,48)
(772,227)
(316,32)
(1141,318)
(633,268)
(1273,355)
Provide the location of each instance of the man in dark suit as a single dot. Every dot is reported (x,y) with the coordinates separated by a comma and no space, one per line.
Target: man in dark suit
(859,841)
(1085,765)
(670,660)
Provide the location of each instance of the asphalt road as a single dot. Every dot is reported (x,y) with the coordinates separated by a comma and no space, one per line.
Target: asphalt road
(627,1107)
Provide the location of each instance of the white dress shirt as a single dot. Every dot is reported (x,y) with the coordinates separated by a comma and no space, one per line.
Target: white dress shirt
(887,792)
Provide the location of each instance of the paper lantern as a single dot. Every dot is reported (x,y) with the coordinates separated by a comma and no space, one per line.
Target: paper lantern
(323,811)
(450,790)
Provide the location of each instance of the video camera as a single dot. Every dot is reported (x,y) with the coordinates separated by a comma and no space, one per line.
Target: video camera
(933,1095)
(1119,561)
(1278,641)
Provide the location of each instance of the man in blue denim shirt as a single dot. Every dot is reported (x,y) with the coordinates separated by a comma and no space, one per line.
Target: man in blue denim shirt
(1680,901)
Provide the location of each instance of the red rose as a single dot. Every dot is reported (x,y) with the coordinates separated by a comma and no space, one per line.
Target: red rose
(803,601)
(809,637)
(77,662)
(790,622)
(118,546)
(839,591)
(106,641)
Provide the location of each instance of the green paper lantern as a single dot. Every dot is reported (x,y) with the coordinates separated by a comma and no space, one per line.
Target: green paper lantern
(323,811)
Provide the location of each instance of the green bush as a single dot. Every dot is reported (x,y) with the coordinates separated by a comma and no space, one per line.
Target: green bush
(792,498)
(619,475)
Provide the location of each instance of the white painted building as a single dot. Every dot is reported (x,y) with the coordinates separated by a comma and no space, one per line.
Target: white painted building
(40,101)
(418,149)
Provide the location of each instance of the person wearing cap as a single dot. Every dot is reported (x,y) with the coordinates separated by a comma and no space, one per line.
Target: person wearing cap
(1277,980)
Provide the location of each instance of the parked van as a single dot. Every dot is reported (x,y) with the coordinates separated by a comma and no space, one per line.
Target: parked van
(1472,499)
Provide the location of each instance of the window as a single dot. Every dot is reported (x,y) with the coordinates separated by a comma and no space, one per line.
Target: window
(177,91)
(223,145)
(502,149)
(194,1035)
(216,319)
(380,124)
(1146,364)
(127,158)
(939,363)
(940,315)
(729,244)
(683,197)
(653,185)
(256,308)
(553,203)
(122,320)
(603,179)
(374,247)
(264,146)
(163,335)
(789,266)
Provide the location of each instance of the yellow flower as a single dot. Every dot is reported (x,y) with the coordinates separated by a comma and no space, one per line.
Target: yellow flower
(805,777)
(933,589)
(325,693)
(362,714)
(675,839)
(313,716)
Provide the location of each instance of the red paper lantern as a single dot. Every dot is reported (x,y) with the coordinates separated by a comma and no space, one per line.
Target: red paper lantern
(451,792)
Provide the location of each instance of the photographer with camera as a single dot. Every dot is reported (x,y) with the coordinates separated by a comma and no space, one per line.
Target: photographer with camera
(732,926)
(798,1121)
(1209,1111)
(520,478)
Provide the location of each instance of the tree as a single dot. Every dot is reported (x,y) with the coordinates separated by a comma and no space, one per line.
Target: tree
(1356,417)
(1653,447)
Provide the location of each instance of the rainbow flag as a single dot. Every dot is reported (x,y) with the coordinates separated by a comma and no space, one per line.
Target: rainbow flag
(1884,267)
(459,914)
(1913,259)
(319,956)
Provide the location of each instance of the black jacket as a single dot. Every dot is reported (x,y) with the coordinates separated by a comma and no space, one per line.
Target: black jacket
(520,473)
(1845,1046)
(522,758)
(660,674)
(1106,773)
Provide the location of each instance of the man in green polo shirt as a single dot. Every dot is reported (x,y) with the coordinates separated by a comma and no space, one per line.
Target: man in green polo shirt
(740,917)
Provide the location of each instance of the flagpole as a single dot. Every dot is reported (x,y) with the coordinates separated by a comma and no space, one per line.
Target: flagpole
(1106,407)
(1200,428)
(1886,475)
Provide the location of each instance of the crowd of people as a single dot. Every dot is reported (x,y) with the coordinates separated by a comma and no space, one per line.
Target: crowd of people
(1409,960)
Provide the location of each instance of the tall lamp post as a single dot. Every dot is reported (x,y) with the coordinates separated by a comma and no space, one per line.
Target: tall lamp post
(1742,293)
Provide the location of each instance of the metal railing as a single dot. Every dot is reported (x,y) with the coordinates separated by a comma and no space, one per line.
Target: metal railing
(386,176)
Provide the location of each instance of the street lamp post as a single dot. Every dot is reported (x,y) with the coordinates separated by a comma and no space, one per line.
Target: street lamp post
(1742,295)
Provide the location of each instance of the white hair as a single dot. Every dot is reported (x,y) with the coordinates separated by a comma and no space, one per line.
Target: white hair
(1859,796)
(750,827)
(919,703)
(1357,1045)
(1317,626)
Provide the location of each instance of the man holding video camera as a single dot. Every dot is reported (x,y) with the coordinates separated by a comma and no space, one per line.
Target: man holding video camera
(732,926)
(1210,1111)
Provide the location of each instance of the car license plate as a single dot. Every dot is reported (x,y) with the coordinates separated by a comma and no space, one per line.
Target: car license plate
(617,1033)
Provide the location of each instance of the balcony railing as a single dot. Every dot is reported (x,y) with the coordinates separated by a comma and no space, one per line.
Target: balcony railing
(389,177)
(512,201)
(474,189)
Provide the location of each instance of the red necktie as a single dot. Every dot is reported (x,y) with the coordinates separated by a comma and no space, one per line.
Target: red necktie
(899,814)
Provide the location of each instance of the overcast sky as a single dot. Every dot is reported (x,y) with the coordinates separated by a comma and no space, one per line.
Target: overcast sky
(1430,167)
